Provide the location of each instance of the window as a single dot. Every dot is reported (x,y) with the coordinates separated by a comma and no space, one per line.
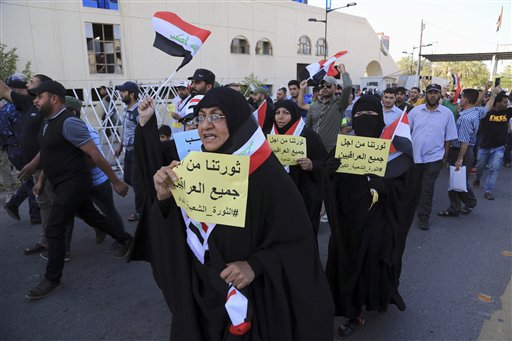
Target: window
(105,4)
(240,45)
(264,47)
(304,45)
(103,48)
(321,47)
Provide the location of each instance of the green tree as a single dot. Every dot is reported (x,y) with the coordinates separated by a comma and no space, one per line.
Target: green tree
(9,62)
(407,65)
(472,74)
(506,77)
(250,82)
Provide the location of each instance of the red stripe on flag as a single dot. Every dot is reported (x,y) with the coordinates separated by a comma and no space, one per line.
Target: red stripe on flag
(259,157)
(231,293)
(175,20)
(262,112)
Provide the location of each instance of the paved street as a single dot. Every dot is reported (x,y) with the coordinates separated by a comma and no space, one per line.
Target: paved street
(445,269)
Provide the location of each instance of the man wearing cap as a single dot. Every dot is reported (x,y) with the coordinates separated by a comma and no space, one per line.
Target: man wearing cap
(203,80)
(258,96)
(325,118)
(29,146)
(65,144)
(130,97)
(432,128)
(180,103)
(400,102)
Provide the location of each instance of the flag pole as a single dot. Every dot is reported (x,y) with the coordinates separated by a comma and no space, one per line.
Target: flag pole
(165,83)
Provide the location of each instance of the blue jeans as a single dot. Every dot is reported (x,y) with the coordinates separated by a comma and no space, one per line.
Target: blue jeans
(493,157)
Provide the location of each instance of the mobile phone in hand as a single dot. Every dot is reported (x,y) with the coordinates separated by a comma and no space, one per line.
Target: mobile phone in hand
(497,81)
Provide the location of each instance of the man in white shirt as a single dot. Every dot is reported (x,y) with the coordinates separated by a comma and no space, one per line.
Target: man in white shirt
(390,110)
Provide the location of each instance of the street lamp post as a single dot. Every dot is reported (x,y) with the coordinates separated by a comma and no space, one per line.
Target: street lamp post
(327,11)
(419,58)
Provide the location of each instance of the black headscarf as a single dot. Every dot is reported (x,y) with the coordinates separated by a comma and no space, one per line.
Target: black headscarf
(291,106)
(368,125)
(238,112)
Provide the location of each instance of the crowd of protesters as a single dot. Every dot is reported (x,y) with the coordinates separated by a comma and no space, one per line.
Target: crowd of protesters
(272,267)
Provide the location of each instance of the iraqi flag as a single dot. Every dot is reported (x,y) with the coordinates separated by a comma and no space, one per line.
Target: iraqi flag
(317,71)
(456,87)
(400,153)
(177,37)
(500,19)
(261,113)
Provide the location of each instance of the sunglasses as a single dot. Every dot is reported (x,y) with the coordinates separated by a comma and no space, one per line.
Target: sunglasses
(326,86)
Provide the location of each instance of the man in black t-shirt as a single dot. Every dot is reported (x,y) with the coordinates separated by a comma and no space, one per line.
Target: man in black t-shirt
(493,138)
(29,145)
(65,144)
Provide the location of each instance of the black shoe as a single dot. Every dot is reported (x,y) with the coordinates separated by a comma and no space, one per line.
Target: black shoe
(12,212)
(100,236)
(42,289)
(123,249)
(423,225)
(35,221)
(113,247)
(67,256)
(134,217)
(34,249)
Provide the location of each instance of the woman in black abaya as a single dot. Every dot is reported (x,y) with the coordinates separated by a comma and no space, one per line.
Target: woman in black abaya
(367,241)
(308,172)
(273,261)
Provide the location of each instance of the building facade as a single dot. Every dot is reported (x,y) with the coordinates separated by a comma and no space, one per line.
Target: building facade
(86,43)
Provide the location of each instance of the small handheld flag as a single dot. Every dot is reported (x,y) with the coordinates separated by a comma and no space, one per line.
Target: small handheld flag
(317,71)
(177,37)
(500,19)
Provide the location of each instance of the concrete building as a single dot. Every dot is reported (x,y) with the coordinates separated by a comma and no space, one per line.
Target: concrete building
(85,47)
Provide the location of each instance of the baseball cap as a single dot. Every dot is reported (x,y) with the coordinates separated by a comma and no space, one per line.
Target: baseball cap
(203,75)
(73,102)
(52,87)
(129,86)
(433,87)
(259,90)
(182,84)
(329,80)
(16,81)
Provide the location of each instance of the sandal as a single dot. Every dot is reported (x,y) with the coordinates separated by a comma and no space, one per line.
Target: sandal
(447,213)
(489,196)
(466,210)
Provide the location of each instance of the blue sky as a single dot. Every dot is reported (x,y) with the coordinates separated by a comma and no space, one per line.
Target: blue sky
(451,26)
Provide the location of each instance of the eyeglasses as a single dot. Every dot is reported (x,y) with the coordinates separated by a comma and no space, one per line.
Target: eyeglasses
(211,119)
(327,86)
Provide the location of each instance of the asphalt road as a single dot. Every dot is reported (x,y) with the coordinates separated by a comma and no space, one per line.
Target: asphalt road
(444,271)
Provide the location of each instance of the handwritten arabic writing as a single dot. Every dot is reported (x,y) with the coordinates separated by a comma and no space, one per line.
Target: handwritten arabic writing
(288,148)
(212,188)
(183,40)
(362,155)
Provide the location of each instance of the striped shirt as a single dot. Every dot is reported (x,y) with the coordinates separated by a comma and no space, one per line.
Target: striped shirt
(467,125)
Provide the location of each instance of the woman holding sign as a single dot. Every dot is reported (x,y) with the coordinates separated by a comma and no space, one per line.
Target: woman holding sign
(308,172)
(262,281)
(369,217)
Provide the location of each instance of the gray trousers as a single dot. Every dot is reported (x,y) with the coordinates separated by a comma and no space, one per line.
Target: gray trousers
(458,198)
(427,173)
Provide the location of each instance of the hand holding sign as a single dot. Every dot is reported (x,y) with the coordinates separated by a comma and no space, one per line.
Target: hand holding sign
(288,148)
(164,180)
(210,187)
(362,155)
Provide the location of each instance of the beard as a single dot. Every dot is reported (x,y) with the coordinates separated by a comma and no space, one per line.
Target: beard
(432,103)
(45,109)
